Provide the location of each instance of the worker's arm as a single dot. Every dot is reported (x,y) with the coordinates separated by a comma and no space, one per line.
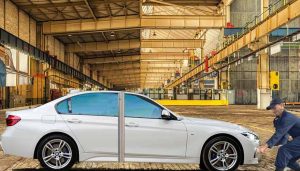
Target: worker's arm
(283,140)
(282,131)
(265,147)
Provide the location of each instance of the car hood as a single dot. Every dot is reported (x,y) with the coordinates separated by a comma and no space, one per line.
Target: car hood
(215,123)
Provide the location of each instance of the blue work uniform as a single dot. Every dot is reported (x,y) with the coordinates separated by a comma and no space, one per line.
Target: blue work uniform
(288,154)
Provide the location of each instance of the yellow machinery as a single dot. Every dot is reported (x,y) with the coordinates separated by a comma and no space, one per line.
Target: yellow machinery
(274,80)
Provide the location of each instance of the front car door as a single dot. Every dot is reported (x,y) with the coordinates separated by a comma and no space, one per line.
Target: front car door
(147,135)
(93,119)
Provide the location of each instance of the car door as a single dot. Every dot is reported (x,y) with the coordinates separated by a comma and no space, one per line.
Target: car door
(147,135)
(93,119)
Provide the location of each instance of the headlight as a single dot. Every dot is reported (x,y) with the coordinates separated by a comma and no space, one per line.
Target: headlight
(251,136)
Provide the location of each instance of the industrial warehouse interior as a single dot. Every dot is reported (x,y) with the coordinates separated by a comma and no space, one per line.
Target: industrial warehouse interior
(221,60)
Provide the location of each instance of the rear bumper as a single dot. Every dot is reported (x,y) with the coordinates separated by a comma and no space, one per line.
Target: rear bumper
(16,142)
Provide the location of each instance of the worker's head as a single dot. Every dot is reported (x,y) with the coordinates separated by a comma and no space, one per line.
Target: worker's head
(277,106)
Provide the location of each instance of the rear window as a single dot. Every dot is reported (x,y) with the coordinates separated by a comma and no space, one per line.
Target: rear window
(98,104)
(63,107)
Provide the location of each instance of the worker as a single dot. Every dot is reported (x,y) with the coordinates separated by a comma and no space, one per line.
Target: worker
(286,124)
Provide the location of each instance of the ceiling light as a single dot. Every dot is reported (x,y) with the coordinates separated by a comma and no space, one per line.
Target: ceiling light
(69,35)
(112,34)
(154,34)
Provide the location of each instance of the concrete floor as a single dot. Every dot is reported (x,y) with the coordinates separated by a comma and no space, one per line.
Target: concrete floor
(259,121)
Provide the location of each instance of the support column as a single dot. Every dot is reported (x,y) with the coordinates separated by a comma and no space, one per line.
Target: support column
(227,11)
(190,90)
(174,93)
(264,94)
(201,83)
(105,81)
(224,85)
(201,80)
(191,58)
(223,80)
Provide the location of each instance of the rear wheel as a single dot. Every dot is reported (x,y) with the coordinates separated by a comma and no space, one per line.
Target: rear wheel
(57,152)
(221,154)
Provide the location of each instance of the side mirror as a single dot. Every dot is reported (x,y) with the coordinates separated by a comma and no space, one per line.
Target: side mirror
(165,114)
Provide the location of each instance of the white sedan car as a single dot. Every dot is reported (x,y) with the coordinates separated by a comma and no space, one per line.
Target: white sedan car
(84,127)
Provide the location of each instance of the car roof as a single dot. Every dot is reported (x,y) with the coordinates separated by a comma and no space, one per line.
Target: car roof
(101,91)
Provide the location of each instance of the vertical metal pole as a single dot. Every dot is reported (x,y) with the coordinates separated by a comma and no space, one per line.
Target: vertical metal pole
(121,131)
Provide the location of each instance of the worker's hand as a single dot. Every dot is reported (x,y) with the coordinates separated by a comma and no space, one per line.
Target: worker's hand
(262,149)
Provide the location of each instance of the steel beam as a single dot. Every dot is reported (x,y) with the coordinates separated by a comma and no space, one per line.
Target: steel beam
(143,56)
(186,22)
(285,14)
(228,2)
(183,3)
(164,56)
(141,77)
(132,22)
(134,43)
(144,74)
(172,43)
(160,2)
(107,60)
(135,79)
(103,46)
(137,70)
(163,50)
(65,4)
(113,67)
(89,25)
(90,9)
(138,64)
(137,82)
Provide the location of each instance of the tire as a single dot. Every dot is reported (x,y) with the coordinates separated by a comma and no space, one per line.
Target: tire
(202,166)
(215,155)
(57,152)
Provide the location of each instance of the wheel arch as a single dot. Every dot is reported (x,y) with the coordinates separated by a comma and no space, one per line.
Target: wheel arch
(57,133)
(241,150)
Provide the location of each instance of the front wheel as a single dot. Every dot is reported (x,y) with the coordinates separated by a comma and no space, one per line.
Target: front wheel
(56,152)
(221,154)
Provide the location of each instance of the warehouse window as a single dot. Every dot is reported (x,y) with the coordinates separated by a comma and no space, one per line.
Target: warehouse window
(23,62)
(139,107)
(14,56)
(102,104)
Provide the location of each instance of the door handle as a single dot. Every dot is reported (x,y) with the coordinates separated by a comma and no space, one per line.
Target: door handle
(74,120)
(131,124)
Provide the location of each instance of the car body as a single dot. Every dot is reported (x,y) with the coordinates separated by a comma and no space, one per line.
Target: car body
(90,120)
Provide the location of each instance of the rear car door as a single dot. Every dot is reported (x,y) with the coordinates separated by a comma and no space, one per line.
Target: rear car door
(93,118)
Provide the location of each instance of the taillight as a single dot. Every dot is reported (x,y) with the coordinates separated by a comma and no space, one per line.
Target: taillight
(11,120)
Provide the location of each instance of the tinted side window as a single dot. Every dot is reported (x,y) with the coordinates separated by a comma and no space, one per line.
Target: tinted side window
(139,107)
(100,104)
(62,107)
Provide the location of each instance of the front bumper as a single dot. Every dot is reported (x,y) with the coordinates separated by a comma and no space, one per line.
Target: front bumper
(256,157)
(252,158)
(250,153)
